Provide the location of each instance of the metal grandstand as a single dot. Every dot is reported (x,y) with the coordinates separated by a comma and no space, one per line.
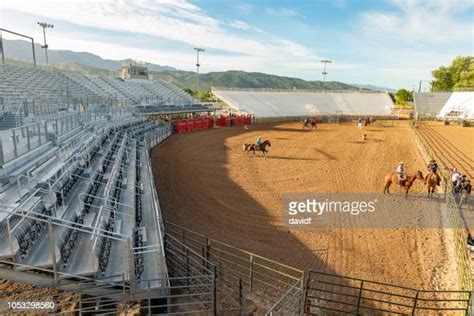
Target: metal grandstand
(27,91)
(303,103)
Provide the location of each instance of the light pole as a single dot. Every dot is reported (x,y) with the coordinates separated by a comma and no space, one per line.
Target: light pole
(198,50)
(45,26)
(421,81)
(325,62)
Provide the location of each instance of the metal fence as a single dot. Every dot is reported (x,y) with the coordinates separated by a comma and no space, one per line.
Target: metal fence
(325,117)
(332,294)
(459,233)
(243,275)
(189,289)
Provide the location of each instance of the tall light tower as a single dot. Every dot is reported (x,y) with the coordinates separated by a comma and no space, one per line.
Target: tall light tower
(45,26)
(198,50)
(325,62)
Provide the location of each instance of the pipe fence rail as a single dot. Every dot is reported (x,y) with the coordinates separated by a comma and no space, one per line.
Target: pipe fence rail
(243,275)
(454,215)
(329,294)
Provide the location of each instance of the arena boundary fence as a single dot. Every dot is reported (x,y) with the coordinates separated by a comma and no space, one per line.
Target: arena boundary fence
(459,234)
(336,117)
(244,277)
(326,293)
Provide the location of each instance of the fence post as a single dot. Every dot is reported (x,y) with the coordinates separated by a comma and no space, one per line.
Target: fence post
(215,292)
(305,307)
(208,250)
(80,300)
(149,299)
(187,266)
(251,273)
(415,303)
(360,297)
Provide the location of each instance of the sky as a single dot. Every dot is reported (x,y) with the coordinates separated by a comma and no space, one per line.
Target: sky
(389,43)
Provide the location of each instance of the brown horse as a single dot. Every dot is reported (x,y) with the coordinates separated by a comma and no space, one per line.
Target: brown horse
(431,183)
(407,183)
(253,147)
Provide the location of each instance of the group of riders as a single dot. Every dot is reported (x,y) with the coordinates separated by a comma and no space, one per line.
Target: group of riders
(460,183)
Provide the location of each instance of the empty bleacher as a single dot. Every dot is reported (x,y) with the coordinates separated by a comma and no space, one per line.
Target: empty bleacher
(274,104)
(36,92)
(91,192)
(429,104)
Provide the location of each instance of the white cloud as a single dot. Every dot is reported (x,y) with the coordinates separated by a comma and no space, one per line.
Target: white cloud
(420,22)
(240,25)
(281,12)
(176,20)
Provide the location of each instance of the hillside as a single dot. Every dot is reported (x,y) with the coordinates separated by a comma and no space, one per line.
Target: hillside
(242,79)
(18,49)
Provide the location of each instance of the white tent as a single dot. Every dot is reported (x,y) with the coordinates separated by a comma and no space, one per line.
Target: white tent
(459,104)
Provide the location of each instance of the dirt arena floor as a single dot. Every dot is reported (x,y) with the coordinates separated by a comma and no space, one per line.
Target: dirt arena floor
(453,144)
(207,184)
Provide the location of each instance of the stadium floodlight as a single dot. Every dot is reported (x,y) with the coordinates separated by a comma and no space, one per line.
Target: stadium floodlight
(198,50)
(45,26)
(325,62)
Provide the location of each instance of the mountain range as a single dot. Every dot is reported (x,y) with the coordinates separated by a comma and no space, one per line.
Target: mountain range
(89,63)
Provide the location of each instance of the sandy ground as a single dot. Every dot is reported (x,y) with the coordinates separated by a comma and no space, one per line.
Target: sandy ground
(453,144)
(207,184)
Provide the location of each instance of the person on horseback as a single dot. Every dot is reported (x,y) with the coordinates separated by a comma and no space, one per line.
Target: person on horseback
(258,142)
(401,173)
(454,176)
(433,168)
(467,187)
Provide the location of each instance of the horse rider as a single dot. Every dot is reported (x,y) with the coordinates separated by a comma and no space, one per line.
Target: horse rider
(433,167)
(258,142)
(467,186)
(401,173)
(454,176)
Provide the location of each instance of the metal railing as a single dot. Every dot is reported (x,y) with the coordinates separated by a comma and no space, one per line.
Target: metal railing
(190,288)
(355,90)
(242,274)
(323,117)
(326,293)
(459,232)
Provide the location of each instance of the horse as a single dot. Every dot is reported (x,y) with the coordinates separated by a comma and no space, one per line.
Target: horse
(369,121)
(407,183)
(309,124)
(253,147)
(431,181)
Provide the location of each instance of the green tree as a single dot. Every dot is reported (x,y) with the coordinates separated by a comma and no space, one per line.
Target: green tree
(466,78)
(458,76)
(206,96)
(403,96)
(189,91)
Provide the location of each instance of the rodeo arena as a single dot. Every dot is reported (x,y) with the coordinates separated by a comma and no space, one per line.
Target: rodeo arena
(126,196)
